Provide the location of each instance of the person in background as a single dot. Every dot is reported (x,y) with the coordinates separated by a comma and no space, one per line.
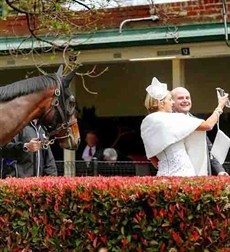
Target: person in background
(113,165)
(91,149)
(177,140)
(26,149)
(110,154)
(183,104)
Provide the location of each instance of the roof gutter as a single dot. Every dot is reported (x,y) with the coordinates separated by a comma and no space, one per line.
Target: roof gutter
(152,18)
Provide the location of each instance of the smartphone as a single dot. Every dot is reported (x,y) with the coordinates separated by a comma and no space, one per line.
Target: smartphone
(221,93)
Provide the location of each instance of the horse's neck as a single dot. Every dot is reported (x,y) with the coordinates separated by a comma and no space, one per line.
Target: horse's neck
(17,113)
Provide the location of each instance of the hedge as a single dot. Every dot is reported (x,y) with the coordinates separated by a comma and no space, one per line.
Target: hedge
(120,213)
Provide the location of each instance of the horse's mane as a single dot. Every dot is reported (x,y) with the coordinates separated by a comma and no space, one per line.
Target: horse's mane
(28,86)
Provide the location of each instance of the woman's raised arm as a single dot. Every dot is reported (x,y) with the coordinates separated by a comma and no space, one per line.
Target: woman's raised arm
(214,118)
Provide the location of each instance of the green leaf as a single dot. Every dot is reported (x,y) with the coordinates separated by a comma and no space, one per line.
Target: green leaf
(149,228)
(34,230)
(53,57)
(129,238)
(21,223)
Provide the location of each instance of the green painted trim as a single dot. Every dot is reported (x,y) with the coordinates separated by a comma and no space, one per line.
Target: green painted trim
(131,37)
(154,36)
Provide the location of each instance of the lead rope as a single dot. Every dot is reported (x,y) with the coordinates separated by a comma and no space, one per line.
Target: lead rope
(45,144)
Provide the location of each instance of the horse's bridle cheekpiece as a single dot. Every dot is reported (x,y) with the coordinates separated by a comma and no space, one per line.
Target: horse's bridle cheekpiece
(58,105)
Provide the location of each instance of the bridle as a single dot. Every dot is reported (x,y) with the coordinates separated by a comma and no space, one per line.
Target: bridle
(58,105)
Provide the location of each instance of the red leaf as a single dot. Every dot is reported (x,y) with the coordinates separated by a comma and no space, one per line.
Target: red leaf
(181,214)
(91,235)
(104,239)
(162,247)
(195,235)
(124,242)
(49,230)
(176,237)
(95,242)
(172,208)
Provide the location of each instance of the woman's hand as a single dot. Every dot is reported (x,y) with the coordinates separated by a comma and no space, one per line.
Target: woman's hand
(222,100)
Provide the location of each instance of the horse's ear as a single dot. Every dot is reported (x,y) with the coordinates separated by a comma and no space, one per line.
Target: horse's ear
(67,79)
(60,71)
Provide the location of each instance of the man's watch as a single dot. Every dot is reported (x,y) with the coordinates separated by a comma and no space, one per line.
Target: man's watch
(25,148)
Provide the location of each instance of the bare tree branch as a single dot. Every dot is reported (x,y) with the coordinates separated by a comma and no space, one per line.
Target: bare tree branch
(82,4)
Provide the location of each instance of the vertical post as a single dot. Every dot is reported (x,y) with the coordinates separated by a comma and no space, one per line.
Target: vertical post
(69,163)
(95,171)
(178,76)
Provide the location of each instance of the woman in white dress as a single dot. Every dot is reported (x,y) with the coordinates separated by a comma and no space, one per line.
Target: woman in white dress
(176,140)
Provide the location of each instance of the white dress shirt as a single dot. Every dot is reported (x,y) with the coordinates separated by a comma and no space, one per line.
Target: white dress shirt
(85,154)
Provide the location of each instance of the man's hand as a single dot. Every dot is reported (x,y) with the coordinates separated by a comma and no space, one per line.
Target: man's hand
(222,174)
(33,145)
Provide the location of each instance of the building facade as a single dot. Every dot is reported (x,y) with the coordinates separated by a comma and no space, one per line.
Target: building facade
(183,43)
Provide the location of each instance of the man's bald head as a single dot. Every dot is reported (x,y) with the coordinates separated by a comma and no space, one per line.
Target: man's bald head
(182,99)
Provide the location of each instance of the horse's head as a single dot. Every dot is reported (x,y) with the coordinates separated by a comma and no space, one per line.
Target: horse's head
(61,119)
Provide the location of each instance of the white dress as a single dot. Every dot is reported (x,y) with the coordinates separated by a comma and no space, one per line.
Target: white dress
(174,161)
(172,137)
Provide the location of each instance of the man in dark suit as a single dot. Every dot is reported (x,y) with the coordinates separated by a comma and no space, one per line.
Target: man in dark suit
(183,104)
(91,148)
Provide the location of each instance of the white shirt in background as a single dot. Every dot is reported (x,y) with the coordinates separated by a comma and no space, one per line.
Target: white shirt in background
(85,154)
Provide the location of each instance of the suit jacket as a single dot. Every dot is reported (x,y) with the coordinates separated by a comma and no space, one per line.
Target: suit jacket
(214,167)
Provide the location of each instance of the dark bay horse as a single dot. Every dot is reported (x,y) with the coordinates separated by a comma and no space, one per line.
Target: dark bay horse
(46,98)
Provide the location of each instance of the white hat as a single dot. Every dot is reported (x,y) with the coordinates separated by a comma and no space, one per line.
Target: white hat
(157,90)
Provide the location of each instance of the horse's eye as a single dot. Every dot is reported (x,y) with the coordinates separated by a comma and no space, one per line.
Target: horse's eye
(70,105)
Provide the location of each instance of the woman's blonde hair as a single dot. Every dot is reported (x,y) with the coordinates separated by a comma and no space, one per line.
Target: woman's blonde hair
(151,104)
